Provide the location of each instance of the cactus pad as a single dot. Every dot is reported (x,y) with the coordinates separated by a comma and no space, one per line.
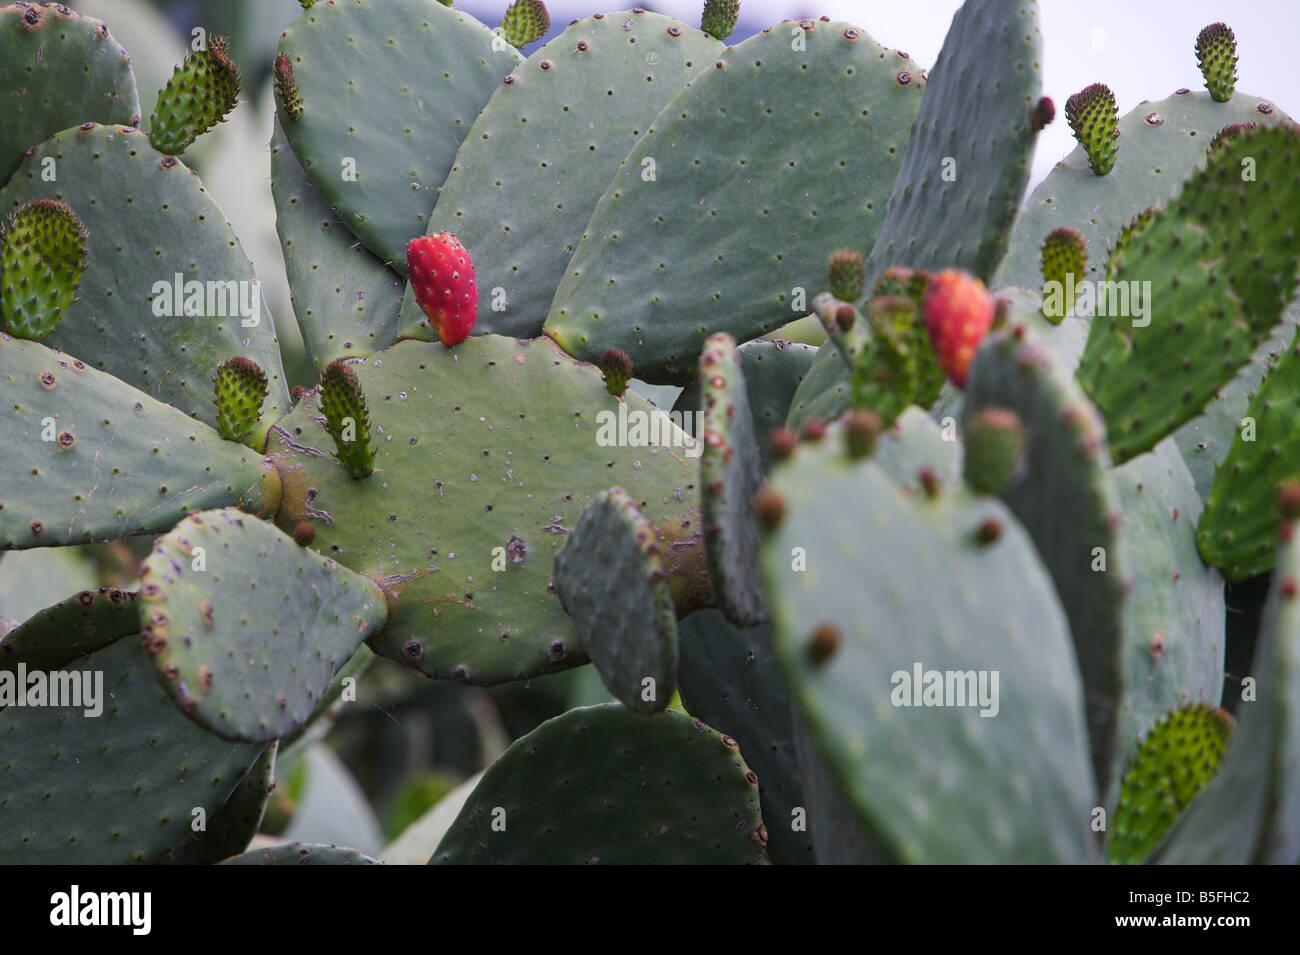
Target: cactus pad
(1021,779)
(1220,257)
(43,46)
(303,853)
(730,475)
(611,580)
(1216,55)
(1068,505)
(113,789)
(346,418)
(200,93)
(168,292)
(526,21)
(772,206)
(425,68)
(231,827)
(41,264)
(247,633)
(72,628)
(483,465)
(240,387)
(1178,757)
(101,460)
(541,803)
(1094,120)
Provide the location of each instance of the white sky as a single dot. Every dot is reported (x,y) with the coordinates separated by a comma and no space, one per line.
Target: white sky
(1147,44)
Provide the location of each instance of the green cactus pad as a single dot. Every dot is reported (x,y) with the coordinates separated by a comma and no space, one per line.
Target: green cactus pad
(229,829)
(915,444)
(610,578)
(1094,120)
(41,265)
(666,790)
(112,789)
(1216,55)
(484,461)
(303,853)
(730,475)
(240,388)
(1068,505)
(1221,258)
(1205,441)
(200,93)
(149,219)
(731,680)
(522,237)
(1178,757)
(72,628)
(1250,812)
(772,206)
(526,21)
(248,633)
(928,783)
(100,460)
(1164,143)
(347,419)
(977,112)
(1065,263)
(1174,613)
(719,17)
(346,300)
(772,369)
(837,836)
(426,69)
(45,45)
(1238,528)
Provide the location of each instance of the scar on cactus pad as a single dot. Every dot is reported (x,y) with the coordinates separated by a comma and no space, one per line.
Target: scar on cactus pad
(41,265)
(346,418)
(1064,257)
(1216,55)
(200,93)
(240,386)
(958,314)
(1094,119)
(442,278)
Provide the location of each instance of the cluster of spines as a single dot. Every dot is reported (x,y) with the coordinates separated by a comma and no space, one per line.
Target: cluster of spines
(200,93)
(1094,120)
(1216,55)
(526,21)
(240,387)
(41,266)
(346,418)
(719,18)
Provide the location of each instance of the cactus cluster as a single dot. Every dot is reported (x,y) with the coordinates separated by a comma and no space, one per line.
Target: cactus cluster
(945,585)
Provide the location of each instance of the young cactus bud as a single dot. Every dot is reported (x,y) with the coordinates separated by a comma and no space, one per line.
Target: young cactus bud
(995,450)
(41,265)
(847,274)
(897,280)
(719,18)
(525,21)
(1227,135)
(286,89)
(1094,119)
(616,367)
(240,388)
(1064,258)
(1216,55)
(200,93)
(346,418)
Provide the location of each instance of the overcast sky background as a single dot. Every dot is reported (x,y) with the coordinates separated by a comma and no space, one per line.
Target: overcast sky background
(1147,50)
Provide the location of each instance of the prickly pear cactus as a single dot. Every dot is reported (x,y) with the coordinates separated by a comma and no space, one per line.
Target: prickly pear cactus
(539,540)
